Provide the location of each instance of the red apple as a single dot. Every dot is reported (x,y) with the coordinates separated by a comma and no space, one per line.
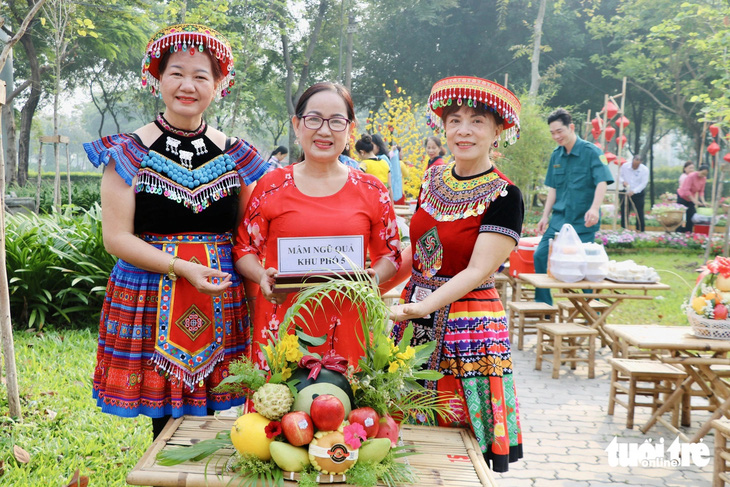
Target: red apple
(298,428)
(368,418)
(327,412)
(388,429)
(720,312)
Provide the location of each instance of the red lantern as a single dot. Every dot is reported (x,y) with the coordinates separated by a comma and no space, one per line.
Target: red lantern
(610,132)
(713,148)
(597,124)
(610,156)
(621,141)
(596,133)
(621,161)
(611,109)
(714,130)
(598,144)
(726,157)
(622,122)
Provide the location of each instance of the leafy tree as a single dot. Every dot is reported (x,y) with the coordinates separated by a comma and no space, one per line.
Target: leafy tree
(525,162)
(655,44)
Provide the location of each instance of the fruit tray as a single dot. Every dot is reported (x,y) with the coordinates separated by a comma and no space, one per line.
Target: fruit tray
(448,456)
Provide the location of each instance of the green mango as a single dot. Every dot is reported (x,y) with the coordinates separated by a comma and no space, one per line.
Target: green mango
(289,457)
(374,450)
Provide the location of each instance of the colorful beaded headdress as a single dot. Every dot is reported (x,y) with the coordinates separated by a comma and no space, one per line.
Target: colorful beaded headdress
(473,91)
(188,38)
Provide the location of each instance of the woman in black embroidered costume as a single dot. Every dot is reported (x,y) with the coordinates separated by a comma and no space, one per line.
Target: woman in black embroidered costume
(468,219)
(171,193)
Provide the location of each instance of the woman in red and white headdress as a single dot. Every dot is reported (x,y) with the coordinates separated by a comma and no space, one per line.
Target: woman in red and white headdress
(468,219)
(172,193)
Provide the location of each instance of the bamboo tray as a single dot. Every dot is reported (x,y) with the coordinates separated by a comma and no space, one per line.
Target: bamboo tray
(448,457)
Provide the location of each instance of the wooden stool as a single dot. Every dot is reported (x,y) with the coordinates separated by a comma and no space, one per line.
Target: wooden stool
(710,402)
(663,377)
(551,337)
(501,283)
(568,313)
(523,316)
(722,454)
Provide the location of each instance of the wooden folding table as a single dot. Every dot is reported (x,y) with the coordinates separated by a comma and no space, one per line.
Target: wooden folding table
(613,293)
(677,345)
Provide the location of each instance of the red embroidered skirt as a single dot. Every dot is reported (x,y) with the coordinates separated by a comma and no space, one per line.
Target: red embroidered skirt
(162,347)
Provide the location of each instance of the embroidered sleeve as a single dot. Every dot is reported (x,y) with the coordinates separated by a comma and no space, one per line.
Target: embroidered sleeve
(249,164)
(384,237)
(505,214)
(252,232)
(123,148)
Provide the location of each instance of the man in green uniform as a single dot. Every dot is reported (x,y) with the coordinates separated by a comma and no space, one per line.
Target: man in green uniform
(576,179)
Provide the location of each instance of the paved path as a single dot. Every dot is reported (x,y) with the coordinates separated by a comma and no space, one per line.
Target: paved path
(566,430)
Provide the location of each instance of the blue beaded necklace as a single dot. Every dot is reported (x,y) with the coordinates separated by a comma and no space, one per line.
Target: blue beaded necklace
(188,169)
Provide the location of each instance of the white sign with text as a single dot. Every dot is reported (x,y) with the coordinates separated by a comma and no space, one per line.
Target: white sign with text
(308,255)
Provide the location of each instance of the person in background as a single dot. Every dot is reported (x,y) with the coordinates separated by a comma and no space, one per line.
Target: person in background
(691,193)
(346,158)
(393,159)
(317,197)
(469,218)
(435,151)
(173,317)
(371,163)
(577,178)
(277,157)
(633,177)
(689,167)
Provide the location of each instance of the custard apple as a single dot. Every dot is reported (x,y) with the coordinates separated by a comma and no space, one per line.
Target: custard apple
(273,401)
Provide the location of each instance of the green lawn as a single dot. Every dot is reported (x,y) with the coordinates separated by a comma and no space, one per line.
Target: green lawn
(63,430)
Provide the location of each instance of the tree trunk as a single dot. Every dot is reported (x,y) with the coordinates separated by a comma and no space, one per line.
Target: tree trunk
(535,63)
(11,151)
(651,157)
(302,85)
(56,158)
(6,326)
(28,110)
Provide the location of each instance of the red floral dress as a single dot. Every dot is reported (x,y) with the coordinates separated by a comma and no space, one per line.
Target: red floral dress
(278,209)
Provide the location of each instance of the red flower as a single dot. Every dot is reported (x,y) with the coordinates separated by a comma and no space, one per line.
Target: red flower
(721,265)
(273,429)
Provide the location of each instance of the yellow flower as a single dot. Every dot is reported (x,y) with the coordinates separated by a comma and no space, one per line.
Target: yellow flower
(393,366)
(407,355)
(285,373)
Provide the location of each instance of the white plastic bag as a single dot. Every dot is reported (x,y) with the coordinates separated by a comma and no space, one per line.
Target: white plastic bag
(567,259)
(596,262)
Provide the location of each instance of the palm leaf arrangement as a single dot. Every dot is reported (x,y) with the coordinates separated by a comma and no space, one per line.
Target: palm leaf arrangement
(386,383)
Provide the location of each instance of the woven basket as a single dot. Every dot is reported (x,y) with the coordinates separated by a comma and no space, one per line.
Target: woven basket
(671,219)
(707,328)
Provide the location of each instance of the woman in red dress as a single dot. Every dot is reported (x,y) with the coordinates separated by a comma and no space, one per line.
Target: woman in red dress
(317,197)
(468,219)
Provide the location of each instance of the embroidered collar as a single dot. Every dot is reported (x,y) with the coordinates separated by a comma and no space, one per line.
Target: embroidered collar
(165,126)
(447,198)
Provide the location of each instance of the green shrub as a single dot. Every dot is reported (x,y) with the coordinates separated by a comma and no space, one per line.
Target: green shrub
(85,192)
(57,267)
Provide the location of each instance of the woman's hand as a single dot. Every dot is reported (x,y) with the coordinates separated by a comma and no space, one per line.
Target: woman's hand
(200,277)
(267,287)
(404,312)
